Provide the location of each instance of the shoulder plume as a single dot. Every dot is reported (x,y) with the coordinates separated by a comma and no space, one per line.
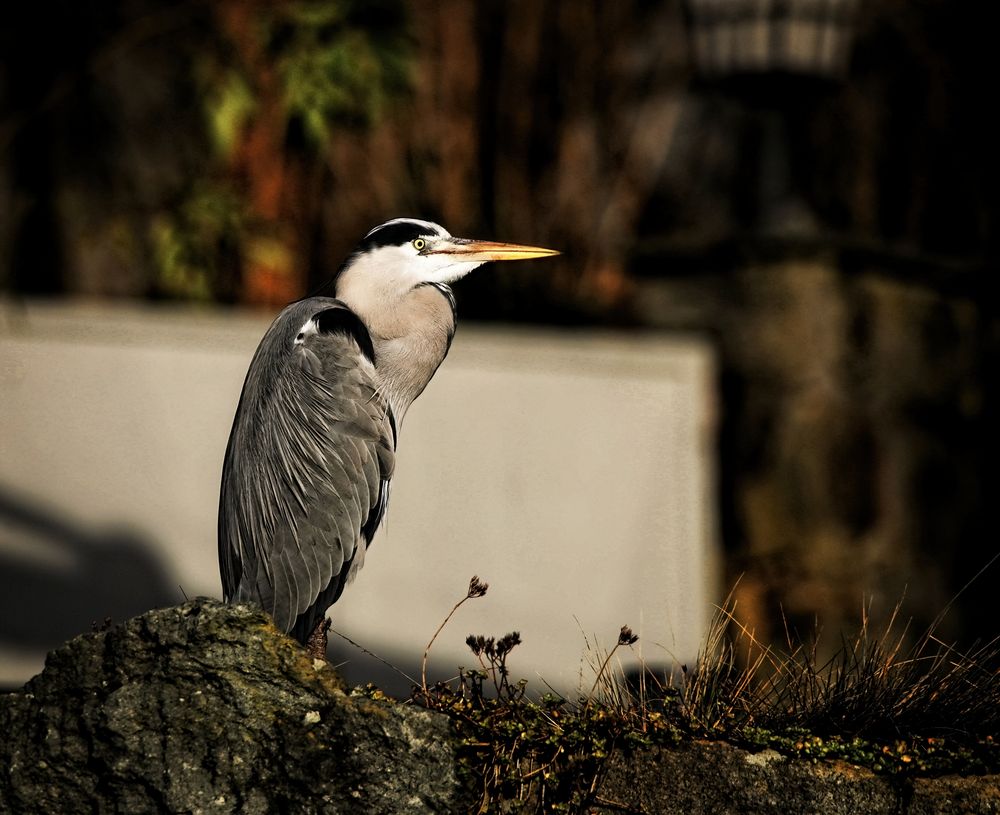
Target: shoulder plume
(340,319)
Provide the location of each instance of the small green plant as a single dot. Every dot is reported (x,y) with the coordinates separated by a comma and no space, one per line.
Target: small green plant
(492,654)
(543,755)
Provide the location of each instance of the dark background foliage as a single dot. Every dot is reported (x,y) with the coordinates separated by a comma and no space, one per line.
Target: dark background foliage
(828,218)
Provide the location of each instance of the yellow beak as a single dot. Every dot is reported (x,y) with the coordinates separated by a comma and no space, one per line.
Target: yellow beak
(483,251)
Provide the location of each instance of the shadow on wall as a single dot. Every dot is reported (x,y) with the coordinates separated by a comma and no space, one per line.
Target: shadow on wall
(57,577)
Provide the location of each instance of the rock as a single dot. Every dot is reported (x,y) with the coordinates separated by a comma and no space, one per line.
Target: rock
(207,708)
(716,778)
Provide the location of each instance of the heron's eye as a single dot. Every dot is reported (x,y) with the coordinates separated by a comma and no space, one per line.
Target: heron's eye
(419,244)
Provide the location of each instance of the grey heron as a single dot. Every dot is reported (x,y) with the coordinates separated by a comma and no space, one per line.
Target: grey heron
(311,454)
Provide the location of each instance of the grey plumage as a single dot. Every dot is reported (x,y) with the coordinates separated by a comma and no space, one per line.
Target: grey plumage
(311,454)
(307,470)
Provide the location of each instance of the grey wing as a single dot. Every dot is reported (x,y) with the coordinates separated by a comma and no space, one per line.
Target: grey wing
(307,471)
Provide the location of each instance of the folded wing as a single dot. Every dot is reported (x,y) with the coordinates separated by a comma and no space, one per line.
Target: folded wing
(306,475)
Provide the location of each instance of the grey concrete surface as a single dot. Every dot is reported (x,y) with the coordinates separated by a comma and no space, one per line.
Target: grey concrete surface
(570,470)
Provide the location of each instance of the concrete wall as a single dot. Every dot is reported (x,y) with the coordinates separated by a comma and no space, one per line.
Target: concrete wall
(572,471)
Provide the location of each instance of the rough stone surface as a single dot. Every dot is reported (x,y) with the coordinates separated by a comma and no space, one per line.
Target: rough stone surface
(206,708)
(715,778)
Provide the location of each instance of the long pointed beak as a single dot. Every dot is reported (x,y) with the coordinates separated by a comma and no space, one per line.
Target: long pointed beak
(483,251)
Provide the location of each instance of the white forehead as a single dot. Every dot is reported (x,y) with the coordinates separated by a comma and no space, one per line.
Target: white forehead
(431,227)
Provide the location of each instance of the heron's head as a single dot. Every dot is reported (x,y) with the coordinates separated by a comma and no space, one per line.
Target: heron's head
(404,253)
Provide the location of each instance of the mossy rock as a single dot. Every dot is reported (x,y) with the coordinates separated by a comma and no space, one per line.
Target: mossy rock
(207,708)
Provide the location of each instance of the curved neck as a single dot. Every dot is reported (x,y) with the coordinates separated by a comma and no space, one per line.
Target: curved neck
(411,338)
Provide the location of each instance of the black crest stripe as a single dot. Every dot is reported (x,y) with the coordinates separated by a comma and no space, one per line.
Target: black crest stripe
(395,234)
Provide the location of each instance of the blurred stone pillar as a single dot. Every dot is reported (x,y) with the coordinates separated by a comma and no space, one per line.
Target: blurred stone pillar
(774,57)
(797,439)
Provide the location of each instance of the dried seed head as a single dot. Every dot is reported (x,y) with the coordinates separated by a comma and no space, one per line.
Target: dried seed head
(507,642)
(476,643)
(626,637)
(477,588)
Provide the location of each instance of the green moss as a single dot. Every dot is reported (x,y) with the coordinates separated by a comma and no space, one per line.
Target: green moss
(913,756)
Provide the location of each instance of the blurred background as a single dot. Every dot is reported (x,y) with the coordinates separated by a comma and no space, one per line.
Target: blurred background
(784,212)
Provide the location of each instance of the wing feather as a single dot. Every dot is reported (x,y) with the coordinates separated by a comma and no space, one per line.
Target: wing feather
(285,597)
(306,474)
